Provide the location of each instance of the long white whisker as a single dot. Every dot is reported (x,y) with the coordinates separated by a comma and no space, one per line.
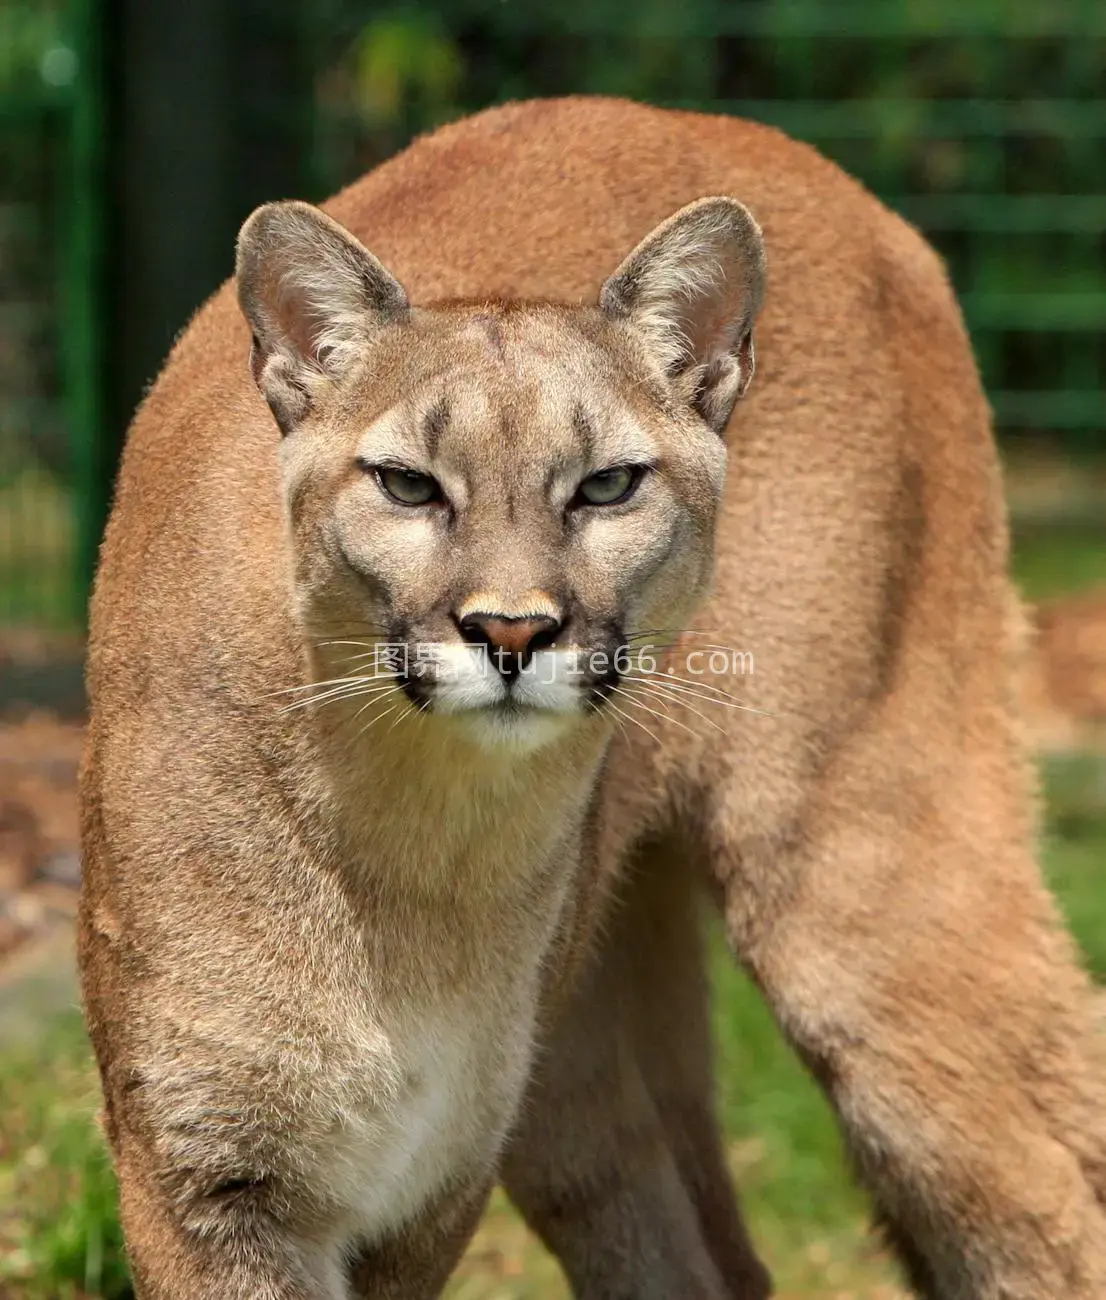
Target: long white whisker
(713,645)
(598,696)
(663,690)
(704,698)
(668,631)
(339,693)
(630,638)
(650,647)
(322,689)
(365,632)
(629,718)
(664,717)
(620,725)
(690,687)
(398,718)
(332,681)
(375,661)
(373,721)
(657,648)
(362,645)
(695,686)
(375,697)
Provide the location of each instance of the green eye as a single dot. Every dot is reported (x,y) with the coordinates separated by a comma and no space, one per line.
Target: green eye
(609,486)
(408,486)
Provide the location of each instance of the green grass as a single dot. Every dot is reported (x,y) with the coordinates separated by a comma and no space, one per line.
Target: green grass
(807,1215)
(1075,850)
(1055,560)
(59,1240)
(59,1235)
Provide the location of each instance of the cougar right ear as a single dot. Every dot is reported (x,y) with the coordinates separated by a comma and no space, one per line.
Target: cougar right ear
(313,296)
(692,290)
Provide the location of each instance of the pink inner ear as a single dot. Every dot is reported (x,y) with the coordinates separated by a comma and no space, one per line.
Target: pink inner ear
(298,322)
(286,311)
(713,320)
(746,362)
(708,328)
(745,357)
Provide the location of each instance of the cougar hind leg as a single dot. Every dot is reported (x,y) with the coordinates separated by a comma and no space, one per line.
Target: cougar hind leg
(918,966)
(617,1162)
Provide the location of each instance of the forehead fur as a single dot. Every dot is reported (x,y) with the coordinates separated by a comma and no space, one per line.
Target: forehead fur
(523,365)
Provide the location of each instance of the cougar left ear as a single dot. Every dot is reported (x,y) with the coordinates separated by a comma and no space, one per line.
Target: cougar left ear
(313,296)
(692,289)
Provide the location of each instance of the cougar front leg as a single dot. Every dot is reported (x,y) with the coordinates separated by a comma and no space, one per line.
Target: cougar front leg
(617,1162)
(264,1241)
(249,1255)
(913,957)
(234,1248)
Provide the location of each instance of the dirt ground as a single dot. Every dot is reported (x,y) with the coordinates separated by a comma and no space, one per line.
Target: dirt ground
(39,858)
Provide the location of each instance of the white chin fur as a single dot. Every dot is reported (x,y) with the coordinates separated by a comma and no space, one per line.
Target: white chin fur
(547,695)
(519,731)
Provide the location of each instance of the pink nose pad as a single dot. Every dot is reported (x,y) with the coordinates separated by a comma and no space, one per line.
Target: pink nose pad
(510,642)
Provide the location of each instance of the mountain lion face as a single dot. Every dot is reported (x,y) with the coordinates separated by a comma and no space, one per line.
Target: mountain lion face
(495,508)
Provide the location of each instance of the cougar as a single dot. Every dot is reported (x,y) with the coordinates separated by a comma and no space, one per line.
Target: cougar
(456,623)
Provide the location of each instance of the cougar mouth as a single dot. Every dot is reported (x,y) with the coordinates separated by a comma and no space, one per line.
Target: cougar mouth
(521,708)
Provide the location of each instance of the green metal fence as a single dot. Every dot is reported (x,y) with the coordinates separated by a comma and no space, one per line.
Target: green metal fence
(984,121)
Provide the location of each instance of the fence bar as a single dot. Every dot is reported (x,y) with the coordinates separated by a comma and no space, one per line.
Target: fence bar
(81,327)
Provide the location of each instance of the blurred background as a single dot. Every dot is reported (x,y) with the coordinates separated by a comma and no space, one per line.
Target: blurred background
(135,135)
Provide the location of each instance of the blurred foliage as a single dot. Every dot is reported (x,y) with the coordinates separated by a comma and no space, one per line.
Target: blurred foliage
(34,63)
(399,61)
(27,32)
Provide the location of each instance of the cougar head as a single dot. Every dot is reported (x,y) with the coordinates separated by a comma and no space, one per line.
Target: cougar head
(500,503)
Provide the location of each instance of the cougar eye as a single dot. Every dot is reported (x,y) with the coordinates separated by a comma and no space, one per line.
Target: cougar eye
(408,486)
(610,486)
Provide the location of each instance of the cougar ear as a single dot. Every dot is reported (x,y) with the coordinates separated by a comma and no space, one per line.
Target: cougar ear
(692,289)
(313,296)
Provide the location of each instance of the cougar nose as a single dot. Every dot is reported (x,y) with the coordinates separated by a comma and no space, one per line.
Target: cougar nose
(510,642)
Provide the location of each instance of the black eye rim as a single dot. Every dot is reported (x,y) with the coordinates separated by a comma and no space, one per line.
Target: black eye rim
(637,473)
(378,472)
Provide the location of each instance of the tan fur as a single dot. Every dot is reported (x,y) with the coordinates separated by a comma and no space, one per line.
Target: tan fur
(315,962)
